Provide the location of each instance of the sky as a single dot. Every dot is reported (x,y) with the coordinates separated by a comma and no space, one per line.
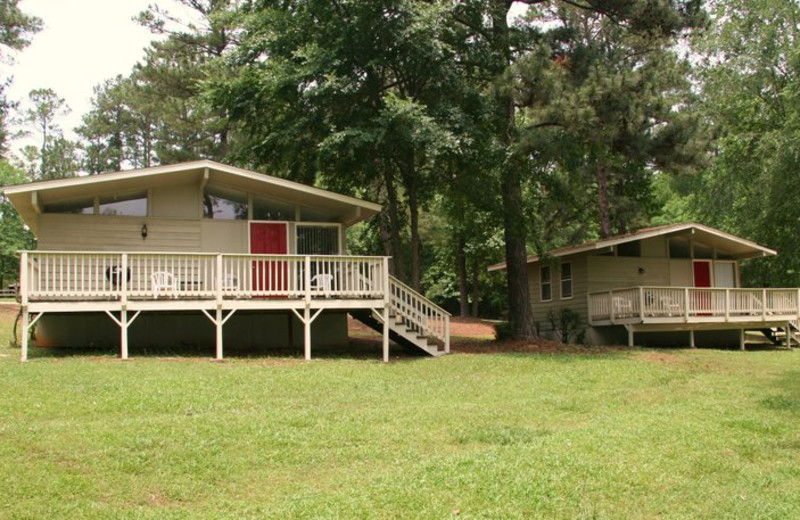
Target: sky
(82,43)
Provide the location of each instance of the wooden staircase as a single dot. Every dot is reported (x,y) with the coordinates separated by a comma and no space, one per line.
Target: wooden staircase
(778,335)
(414,321)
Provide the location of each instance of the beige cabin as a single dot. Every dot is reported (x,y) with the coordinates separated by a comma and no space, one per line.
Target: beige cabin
(677,284)
(194,253)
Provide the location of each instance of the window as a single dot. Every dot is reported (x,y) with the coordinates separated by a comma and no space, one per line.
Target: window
(224,204)
(133,205)
(265,209)
(566,280)
(80,207)
(317,240)
(545,283)
(629,249)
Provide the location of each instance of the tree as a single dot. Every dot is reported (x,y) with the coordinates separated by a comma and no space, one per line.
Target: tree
(55,157)
(489,47)
(157,114)
(353,95)
(620,100)
(15,235)
(16,29)
(750,89)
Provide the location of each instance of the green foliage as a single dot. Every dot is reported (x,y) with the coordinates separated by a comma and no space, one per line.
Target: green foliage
(55,157)
(14,235)
(503,331)
(16,27)
(157,114)
(750,91)
(568,325)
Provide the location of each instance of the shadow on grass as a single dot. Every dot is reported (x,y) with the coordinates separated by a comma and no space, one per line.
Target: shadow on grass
(356,349)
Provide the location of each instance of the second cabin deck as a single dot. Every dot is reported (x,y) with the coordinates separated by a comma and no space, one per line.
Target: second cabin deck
(695,305)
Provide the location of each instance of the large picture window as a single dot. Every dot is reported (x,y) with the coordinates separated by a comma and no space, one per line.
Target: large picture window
(317,240)
(546,284)
(224,204)
(132,205)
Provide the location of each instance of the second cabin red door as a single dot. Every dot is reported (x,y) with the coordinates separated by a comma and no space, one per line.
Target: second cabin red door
(702,278)
(269,239)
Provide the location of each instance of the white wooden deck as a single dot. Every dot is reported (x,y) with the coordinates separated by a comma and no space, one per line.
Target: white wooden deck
(693,305)
(122,285)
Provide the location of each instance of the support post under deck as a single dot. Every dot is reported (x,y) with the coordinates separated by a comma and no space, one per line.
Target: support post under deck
(741,339)
(24,351)
(386,334)
(691,339)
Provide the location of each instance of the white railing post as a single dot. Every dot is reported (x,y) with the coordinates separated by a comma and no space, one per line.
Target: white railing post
(611,306)
(23,279)
(641,303)
(307,278)
(446,334)
(727,304)
(124,279)
(686,304)
(220,278)
(386,284)
(763,305)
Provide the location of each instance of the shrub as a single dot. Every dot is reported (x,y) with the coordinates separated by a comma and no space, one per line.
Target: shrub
(567,324)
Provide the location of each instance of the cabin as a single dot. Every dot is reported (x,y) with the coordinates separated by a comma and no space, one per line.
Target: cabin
(205,254)
(676,284)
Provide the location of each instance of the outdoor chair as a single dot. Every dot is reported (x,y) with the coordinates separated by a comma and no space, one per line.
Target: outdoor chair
(164,282)
(321,282)
(622,306)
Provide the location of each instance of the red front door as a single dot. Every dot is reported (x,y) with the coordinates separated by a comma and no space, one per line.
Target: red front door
(702,278)
(269,275)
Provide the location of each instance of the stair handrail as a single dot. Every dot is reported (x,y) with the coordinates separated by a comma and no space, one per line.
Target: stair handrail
(426,316)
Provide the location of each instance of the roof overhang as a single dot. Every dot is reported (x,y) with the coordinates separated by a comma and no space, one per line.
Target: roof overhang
(29,199)
(732,245)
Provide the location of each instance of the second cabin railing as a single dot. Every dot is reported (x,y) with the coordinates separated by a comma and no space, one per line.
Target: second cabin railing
(692,303)
(82,276)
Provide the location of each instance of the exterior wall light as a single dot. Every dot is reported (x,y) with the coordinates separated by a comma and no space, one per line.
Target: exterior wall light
(144,231)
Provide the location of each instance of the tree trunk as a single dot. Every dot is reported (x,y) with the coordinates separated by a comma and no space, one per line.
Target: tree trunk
(476,289)
(519,305)
(602,200)
(461,266)
(396,263)
(412,191)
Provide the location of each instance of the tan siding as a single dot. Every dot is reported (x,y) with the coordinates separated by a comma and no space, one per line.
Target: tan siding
(577,302)
(616,272)
(60,232)
(224,236)
(179,201)
(680,272)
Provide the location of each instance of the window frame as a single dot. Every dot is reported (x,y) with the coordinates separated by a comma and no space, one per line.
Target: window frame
(548,283)
(562,280)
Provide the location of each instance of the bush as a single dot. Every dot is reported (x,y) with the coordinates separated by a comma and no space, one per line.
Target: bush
(503,330)
(567,323)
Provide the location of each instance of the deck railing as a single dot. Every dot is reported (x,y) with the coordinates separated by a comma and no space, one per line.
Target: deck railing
(641,303)
(86,276)
(420,314)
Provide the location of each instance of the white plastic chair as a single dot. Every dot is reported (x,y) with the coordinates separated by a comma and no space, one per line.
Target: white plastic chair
(622,306)
(164,282)
(230,283)
(321,282)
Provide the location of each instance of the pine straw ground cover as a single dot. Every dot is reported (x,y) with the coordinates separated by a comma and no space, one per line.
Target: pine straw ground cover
(516,433)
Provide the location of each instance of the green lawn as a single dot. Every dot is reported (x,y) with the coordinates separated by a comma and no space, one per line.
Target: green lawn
(625,434)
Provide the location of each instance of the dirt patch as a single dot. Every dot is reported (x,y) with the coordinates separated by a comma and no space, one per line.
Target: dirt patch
(541,346)
(465,327)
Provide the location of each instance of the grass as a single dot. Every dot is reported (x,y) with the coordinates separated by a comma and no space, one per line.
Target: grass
(613,434)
